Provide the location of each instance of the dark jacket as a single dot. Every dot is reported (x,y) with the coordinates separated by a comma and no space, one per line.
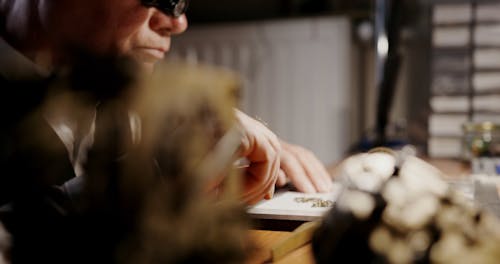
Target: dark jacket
(36,207)
(50,213)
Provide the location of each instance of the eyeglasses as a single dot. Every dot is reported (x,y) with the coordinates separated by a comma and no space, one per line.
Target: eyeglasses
(173,8)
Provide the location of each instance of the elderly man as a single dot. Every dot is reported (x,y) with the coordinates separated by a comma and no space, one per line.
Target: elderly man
(44,34)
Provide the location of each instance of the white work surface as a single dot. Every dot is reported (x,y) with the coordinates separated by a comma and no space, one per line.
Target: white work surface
(284,207)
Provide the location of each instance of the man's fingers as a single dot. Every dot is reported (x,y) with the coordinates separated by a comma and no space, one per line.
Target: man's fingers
(318,175)
(262,149)
(294,170)
(255,183)
(255,190)
(281,181)
(314,170)
(270,193)
(262,171)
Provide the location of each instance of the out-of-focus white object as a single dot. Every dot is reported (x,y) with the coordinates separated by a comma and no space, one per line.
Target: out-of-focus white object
(368,171)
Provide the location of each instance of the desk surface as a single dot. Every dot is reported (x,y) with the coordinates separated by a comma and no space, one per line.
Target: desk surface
(265,240)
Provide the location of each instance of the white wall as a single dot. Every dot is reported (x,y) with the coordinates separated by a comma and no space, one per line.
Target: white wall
(297,72)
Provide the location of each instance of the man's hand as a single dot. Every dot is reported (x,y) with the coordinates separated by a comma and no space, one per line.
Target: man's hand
(303,169)
(263,150)
(274,162)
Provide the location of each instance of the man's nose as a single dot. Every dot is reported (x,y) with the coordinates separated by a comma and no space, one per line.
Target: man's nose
(166,24)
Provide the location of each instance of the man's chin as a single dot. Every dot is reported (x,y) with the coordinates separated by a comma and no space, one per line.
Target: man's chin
(147,67)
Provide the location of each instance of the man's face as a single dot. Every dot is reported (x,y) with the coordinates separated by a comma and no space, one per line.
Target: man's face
(113,27)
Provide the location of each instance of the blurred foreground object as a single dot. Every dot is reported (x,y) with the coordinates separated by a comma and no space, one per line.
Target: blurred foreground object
(398,210)
(157,146)
(155,190)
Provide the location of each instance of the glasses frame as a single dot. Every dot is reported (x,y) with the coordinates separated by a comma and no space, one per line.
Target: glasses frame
(174,8)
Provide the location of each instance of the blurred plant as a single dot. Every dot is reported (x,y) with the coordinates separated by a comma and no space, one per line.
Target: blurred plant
(159,185)
(187,121)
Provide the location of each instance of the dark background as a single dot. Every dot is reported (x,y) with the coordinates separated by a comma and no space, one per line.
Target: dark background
(207,11)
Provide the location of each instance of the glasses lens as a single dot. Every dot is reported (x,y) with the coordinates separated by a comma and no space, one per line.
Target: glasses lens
(173,8)
(180,8)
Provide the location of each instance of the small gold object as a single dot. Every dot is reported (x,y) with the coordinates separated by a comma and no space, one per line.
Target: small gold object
(316,202)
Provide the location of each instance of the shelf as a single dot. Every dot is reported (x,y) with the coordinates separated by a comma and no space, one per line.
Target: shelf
(467,56)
